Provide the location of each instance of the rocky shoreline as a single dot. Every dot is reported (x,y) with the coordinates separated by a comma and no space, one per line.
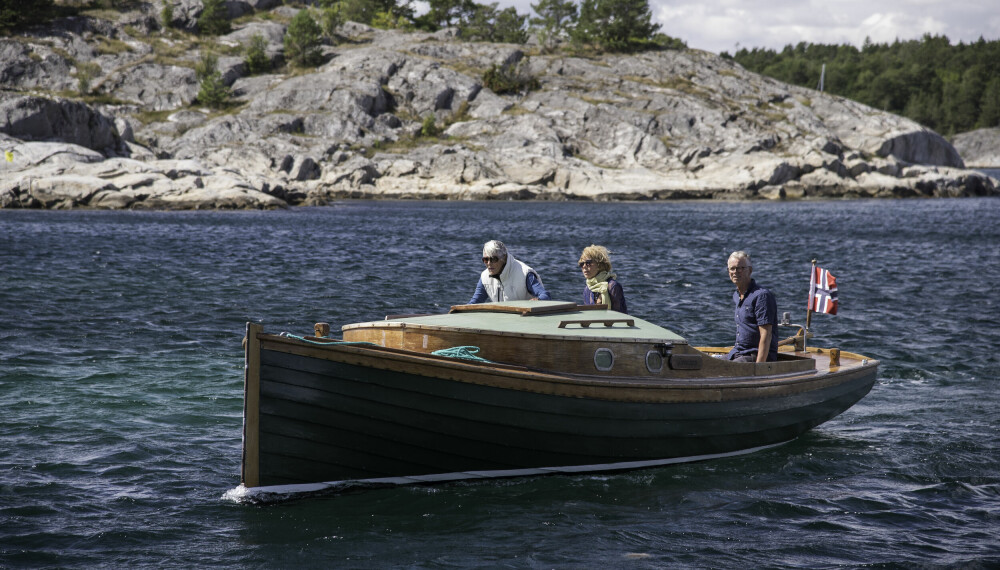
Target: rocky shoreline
(658,125)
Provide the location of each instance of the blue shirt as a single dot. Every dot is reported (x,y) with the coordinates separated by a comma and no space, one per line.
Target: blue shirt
(757,308)
(616,293)
(531,282)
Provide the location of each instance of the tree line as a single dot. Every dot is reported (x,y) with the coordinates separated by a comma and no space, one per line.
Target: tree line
(951,88)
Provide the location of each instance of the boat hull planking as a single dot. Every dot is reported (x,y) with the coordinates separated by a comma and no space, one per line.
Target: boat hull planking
(354,412)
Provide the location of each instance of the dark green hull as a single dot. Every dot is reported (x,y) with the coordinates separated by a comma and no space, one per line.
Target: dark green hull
(348,413)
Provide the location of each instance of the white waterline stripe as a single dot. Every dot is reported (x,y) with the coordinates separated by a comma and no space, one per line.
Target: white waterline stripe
(263,493)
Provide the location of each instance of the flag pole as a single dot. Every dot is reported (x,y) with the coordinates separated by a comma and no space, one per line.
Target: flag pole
(809,312)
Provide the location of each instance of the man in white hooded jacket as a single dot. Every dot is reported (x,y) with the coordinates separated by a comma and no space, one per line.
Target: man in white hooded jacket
(506,279)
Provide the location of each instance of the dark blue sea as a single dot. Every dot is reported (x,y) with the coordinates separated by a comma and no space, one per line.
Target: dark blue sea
(121,386)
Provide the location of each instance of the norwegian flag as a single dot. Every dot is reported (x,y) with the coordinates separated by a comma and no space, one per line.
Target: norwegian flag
(822,291)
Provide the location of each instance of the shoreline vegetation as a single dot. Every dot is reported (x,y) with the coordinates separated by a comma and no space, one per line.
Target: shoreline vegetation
(949,88)
(192,104)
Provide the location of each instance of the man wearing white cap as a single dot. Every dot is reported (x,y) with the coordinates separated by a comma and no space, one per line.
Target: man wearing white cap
(506,278)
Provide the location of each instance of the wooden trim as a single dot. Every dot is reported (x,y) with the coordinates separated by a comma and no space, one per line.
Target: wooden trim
(597,307)
(251,407)
(408,316)
(529,310)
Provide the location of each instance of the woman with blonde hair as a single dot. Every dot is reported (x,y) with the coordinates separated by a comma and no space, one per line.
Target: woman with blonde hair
(602,285)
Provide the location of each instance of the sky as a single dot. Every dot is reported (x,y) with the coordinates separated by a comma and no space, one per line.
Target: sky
(729,25)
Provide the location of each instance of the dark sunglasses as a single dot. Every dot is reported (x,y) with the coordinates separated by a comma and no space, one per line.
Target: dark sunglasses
(494,259)
(586,262)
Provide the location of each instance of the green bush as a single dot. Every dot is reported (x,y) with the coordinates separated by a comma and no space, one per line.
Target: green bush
(487,24)
(663,41)
(360,11)
(445,13)
(256,60)
(390,21)
(615,25)
(302,40)
(211,90)
(214,19)
(554,20)
(330,18)
(167,15)
(85,73)
(510,78)
(429,128)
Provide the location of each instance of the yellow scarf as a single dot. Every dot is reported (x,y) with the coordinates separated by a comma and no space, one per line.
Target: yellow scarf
(599,284)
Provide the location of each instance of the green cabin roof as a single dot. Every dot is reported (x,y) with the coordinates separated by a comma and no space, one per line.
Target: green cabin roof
(537,318)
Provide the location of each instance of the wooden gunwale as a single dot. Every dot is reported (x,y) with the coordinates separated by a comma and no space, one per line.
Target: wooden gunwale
(630,389)
(550,308)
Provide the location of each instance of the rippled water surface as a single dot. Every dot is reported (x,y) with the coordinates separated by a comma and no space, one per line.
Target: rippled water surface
(121,386)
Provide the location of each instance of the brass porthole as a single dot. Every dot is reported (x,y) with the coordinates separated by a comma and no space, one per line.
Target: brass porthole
(604,359)
(654,361)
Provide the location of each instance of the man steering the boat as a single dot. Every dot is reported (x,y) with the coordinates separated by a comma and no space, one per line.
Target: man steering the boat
(756,314)
(506,278)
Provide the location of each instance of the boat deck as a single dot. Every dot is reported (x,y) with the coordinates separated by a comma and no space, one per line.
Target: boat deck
(539,319)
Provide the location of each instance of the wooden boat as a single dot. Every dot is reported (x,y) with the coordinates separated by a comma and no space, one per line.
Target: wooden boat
(558,388)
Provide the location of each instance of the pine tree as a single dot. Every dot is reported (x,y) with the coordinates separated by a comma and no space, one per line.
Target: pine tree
(360,11)
(214,18)
(256,60)
(555,19)
(167,15)
(615,25)
(508,26)
(445,13)
(211,90)
(487,24)
(330,18)
(302,40)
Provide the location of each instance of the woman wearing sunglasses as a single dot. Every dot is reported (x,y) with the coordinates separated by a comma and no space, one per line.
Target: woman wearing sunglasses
(602,285)
(506,278)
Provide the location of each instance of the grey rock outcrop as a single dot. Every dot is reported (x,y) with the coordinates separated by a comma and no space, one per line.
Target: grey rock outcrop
(922,147)
(38,118)
(655,125)
(980,148)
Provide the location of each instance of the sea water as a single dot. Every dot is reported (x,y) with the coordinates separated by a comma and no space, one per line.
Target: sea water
(121,385)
